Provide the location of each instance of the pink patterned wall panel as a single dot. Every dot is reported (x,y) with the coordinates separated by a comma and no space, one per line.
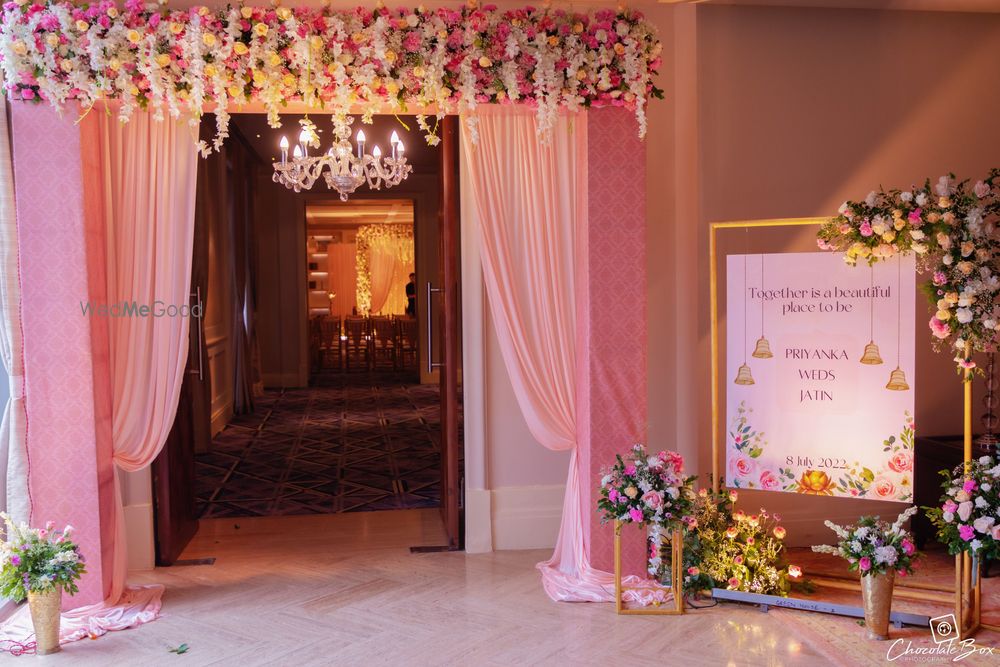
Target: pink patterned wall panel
(59,382)
(617,319)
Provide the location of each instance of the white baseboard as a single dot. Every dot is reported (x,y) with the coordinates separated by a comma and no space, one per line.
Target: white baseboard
(526,517)
(478,521)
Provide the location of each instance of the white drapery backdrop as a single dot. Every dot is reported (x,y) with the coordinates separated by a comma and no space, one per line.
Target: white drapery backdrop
(385,261)
(530,200)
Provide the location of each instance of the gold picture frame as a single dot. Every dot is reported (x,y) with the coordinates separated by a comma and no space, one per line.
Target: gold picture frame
(966,596)
(676,578)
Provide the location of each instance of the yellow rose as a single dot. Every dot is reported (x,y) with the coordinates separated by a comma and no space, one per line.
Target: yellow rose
(392,87)
(815,483)
(390,56)
(942,304)
(358,37)
(485,62)
(163,59)
(333,68)
(631,492)
(82,26)
(234,91)
(208,39)
(577,27)
(66,65)
(316,42)
(284,13)
(966,268)
(240,49)
(203,11)
(951,297)
(19,47)
(501,95)
(288,80)
(133,36)
(52,40)
(933,217)
(889,236)
(418,72)
(176,28)
(553,40)
(115,64)
(944,202)
(113,12)
(133,90)
(210,70)
(260,29)
(619,49)
(258,77)
(943,315)
(581,74)
(246,12)
(275,60)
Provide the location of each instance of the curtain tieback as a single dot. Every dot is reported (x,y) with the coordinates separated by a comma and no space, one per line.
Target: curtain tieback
(16,383)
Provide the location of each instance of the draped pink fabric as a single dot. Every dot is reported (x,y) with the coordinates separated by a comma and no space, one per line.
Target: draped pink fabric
(530,200)
(140,181)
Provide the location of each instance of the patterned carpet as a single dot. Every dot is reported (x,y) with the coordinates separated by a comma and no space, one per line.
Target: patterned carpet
(348,443)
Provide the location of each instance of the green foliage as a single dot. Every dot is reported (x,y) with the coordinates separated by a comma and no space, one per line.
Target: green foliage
(37,560)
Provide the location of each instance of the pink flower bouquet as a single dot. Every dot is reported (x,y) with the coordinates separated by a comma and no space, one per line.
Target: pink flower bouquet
(873,546)
(968,519)
(647,489)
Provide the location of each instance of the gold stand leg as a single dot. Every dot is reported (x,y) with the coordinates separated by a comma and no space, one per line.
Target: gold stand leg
(676,577)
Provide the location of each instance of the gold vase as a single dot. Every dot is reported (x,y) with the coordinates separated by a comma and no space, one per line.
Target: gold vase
(45,609)
(876,589)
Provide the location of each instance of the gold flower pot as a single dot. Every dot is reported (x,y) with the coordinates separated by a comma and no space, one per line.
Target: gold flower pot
(876,589)
(45,609)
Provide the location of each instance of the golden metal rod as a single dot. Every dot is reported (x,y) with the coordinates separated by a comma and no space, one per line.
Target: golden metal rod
(925,596)
(618,566)
(768,222)
(713,297)
(958,591)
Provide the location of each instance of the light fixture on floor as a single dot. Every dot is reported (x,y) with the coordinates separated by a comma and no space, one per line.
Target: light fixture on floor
(344,167)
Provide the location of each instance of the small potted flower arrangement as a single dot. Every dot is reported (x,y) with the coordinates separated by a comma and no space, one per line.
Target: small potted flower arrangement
(39,564)
(878,551)
(967,520)
(648,490)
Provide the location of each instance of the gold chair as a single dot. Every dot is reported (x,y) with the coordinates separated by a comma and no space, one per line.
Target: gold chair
(358,339)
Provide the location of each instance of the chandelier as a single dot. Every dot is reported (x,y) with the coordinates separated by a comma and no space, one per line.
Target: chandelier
(344,167)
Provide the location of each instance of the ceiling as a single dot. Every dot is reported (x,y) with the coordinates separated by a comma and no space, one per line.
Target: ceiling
(986,6)
(332,217)
(264,140)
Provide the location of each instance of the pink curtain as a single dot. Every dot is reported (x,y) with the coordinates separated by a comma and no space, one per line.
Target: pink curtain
(382,263)
(342,277)
(530,200)
(147,178)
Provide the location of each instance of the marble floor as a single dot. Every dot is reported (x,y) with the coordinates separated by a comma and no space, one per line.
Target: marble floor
(344,589)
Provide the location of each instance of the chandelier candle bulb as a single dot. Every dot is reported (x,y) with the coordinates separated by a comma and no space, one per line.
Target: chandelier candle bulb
(361,144)
(284,149)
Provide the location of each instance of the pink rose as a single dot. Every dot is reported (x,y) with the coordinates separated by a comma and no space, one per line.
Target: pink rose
(768,480)
(995,532)
(738,560)
(779,532)
(630,470)
(939,329)
(884,488)
(981,189)
(949,506)
(901,462)
(969,486)
(613,495)
(653,499)
(914,217)
(866,228)
(635,514)
(908,547)
(966,531)
(865,564)
(734,582)
(694,571)
(940,278)
(742,465)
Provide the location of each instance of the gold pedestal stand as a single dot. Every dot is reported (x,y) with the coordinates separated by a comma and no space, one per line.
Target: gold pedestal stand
(676,578)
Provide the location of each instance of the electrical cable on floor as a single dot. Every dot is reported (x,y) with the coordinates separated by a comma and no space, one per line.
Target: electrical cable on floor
(692,605)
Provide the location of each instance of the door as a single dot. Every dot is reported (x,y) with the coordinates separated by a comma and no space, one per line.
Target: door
(175,510)
(446,323)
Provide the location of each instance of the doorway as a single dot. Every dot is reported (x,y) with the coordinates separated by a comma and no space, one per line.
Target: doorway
(348,403)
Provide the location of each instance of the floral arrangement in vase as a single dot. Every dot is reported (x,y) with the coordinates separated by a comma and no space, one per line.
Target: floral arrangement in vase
(646,489)
(968,519)
(873,547)
(180,61)
(740,551)
(949,227)
(38,560)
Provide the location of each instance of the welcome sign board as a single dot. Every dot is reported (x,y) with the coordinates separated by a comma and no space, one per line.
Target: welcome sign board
(820,375)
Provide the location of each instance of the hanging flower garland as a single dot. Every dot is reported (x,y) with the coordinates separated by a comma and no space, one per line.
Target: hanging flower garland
(397,239)
(951,228)
(147,56)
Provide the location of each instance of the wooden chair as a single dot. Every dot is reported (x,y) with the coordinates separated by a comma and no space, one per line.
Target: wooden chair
(408,340)
(358,339)
(331,344)
(316,342)
(383,340)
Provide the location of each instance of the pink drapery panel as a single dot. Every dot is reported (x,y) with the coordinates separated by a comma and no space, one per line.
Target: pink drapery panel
(14,494)
(342,276)
(147,179)
(382,263)
(530,200)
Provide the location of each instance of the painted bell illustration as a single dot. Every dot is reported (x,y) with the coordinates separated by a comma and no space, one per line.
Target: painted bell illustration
(743,375)
(871,356)
(897,380)
(763,349)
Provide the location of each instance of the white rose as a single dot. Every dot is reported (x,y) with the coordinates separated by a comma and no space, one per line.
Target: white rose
(964,315)
(986,486)
(976,545)
(985,461)
(922,199)
(980,502)
(906,196)
(965,510)
(916,234)
(870,199)
(947,260)
(943,186)
(948,517)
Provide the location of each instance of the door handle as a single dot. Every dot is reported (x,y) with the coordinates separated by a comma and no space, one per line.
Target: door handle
(201,343)
(431,364)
